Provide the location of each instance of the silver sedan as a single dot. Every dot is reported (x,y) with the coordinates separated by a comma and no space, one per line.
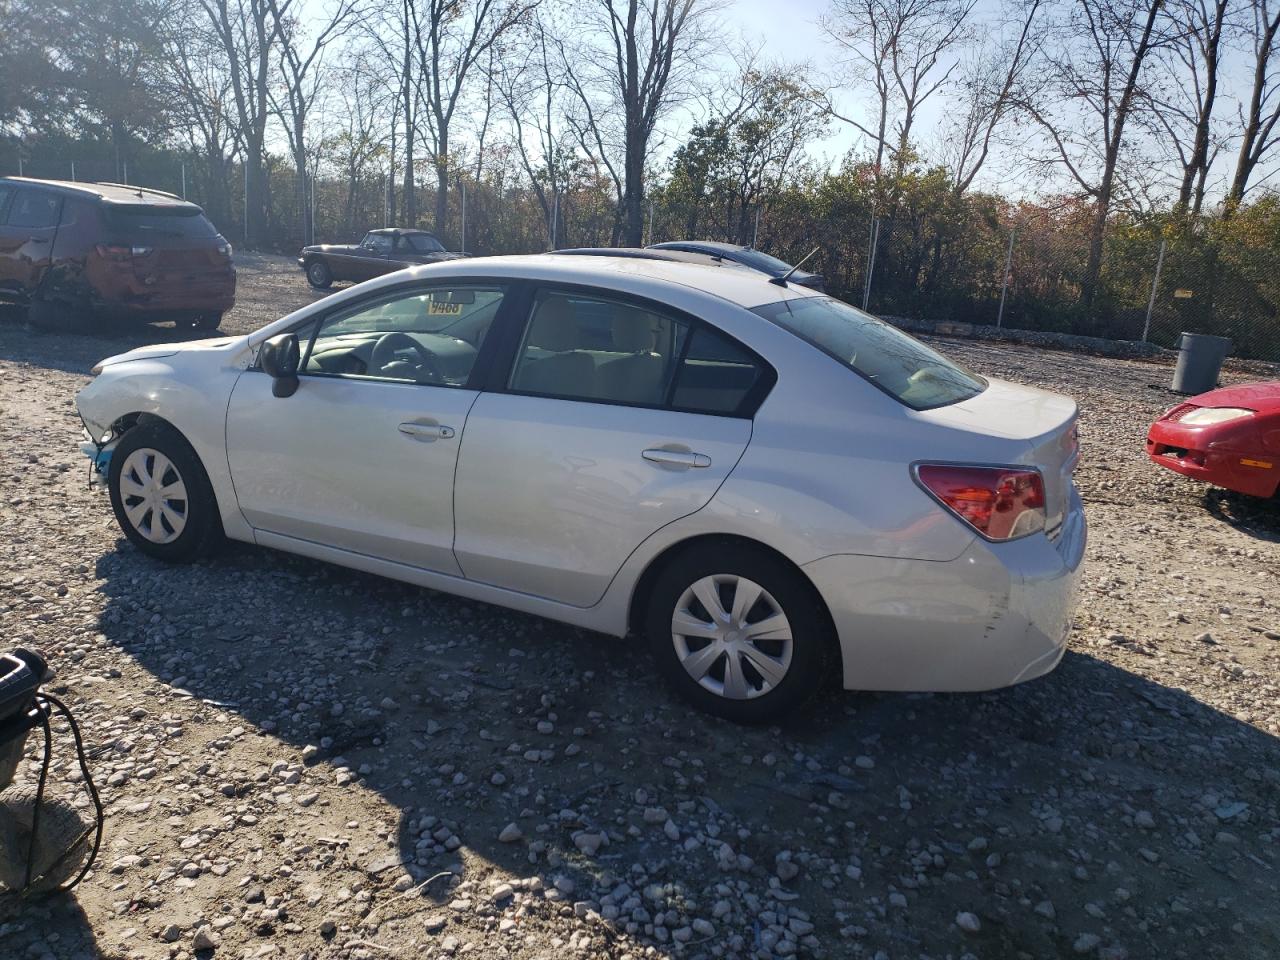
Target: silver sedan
(771,488)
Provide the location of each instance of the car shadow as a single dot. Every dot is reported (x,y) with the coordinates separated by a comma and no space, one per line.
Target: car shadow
(1254,516)
(464,718)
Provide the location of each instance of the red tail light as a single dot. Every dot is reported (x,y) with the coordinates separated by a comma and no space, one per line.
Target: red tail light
(119,253)
(1001,503)
(114,252)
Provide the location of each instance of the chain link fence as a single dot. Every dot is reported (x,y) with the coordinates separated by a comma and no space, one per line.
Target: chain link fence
(1156,281)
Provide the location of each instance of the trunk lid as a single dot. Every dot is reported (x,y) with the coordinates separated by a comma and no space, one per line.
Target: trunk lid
(1043,423)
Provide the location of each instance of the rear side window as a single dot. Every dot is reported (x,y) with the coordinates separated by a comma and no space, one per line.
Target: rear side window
(581,347)
(423,243)
(5,194)
(139,222)
(716,375)
(891,360)
(35,209)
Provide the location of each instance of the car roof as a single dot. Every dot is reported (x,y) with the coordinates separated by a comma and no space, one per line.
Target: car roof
(643,276)
(650,253)
(400,231)
(108,192)
(746,288)
(700,245)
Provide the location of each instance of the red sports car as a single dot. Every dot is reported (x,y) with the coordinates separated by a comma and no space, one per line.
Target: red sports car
(1228,437)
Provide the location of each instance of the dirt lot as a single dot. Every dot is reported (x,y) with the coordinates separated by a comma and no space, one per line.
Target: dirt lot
(288,750)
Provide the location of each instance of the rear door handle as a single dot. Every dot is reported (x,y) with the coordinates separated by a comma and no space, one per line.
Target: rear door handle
(426,432)
(676,458)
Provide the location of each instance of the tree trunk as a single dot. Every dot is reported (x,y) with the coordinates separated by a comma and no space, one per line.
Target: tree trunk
(442,180)
(633,196)
(1089,285)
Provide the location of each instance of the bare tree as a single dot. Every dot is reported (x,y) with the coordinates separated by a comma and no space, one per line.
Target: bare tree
(246,31)
(902,48)
(357,145)
(533,90)
(1091,89)
(301,56)
(450,36)
(200,87)
(1182,108)
(992,84)
(627,73)
(1262,113)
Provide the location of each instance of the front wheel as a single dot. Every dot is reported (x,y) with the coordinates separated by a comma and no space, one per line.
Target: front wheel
(738,632)
(161,495)
(319,275)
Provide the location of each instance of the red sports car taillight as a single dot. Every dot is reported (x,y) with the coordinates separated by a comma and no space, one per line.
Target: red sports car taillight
(1001,503)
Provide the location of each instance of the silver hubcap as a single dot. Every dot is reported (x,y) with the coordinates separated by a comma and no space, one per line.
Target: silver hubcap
(732,637)
(317,274)
(153,495)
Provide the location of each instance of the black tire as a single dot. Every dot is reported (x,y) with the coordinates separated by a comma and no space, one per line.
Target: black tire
(201,527)
(811,642)
(208,321)
(63,840)
(58,317)
(319,275)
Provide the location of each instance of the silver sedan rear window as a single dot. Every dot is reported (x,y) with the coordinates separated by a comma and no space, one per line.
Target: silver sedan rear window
(891,360)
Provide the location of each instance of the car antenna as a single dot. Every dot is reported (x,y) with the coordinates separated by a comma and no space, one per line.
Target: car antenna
(782,280)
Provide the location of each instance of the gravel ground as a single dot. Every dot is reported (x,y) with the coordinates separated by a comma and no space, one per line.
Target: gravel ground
(301,761)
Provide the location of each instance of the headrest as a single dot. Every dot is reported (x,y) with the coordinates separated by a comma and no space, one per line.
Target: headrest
(632,331)
(555,327)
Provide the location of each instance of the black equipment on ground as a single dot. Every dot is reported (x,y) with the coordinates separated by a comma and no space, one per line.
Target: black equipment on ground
(45,845)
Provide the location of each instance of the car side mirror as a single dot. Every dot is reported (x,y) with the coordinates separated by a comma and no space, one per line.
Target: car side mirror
(279,359)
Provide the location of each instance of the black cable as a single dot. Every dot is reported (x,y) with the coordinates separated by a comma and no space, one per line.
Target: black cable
(89,786)
(35,811)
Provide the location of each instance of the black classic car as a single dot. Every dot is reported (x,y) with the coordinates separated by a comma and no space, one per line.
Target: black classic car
(381,251)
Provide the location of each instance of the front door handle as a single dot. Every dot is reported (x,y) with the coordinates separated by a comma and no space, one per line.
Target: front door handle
(676,458)
(426,432)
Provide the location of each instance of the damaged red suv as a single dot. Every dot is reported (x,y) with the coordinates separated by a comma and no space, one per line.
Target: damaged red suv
(74,253)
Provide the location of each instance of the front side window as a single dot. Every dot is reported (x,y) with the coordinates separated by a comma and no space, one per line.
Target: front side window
(5,194)
(35,209)
(377,242)
(427,336)
(582,347)
(893,361)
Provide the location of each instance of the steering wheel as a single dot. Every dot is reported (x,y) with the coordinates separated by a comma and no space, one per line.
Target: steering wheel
(389,344)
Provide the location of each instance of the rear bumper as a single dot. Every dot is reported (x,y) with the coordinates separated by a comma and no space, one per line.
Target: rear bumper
(997,615)
(1193,453)
(125,295)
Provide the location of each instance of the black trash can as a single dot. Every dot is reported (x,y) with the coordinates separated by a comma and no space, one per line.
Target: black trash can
(1200,357)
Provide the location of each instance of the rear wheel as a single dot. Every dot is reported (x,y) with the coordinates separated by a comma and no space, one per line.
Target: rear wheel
(58,317)
(319,275)
(161,495)
(738,633)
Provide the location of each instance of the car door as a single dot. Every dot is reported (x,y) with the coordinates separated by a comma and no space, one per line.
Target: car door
(375,256)
(584,449)
(26,240)
(8,246)
(362,456)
